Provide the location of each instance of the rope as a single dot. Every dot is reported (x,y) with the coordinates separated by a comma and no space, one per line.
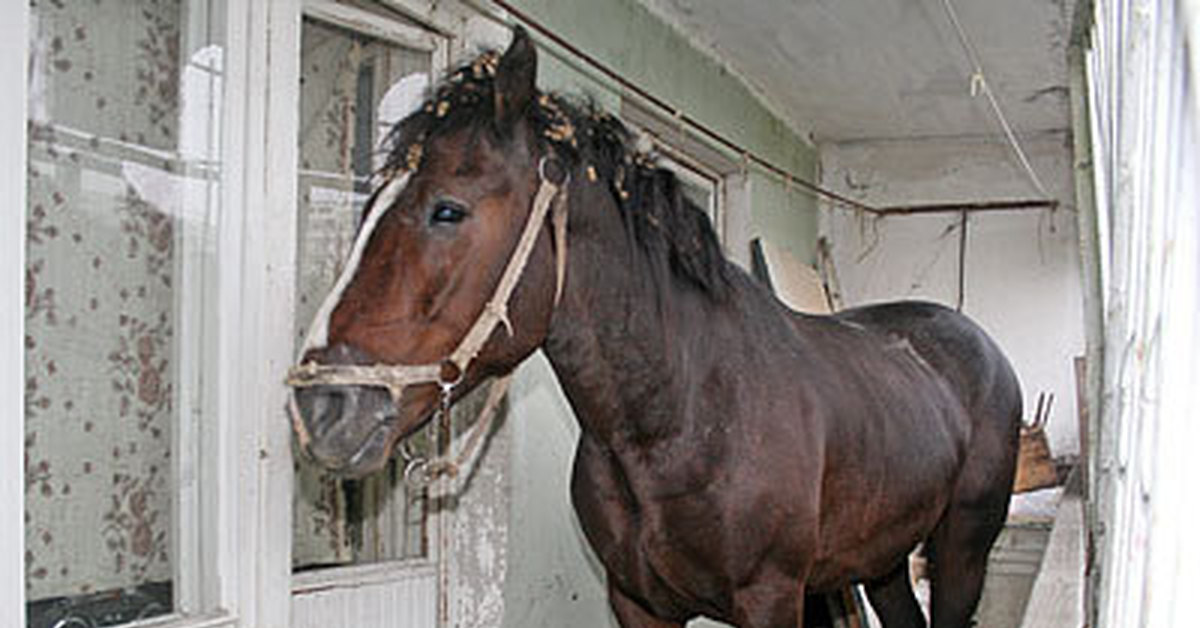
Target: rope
(979,83)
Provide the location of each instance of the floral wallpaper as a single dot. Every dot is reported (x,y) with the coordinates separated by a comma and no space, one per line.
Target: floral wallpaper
(346,81)
(100,297)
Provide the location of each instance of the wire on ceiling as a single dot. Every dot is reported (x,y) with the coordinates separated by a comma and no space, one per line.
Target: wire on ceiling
(788,178)
(979,84)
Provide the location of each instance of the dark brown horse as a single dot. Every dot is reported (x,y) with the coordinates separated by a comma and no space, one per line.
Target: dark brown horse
(734,455)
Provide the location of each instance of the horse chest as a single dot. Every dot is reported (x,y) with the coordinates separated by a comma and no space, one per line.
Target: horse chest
(671,553)
(653,551)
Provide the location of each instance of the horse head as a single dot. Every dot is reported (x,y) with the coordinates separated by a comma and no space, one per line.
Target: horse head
(452,277)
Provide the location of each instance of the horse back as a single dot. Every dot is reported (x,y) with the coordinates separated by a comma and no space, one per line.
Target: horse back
(954,346)
(972,365)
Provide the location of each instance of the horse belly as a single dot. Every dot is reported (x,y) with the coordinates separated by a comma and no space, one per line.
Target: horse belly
(857,558)
(889,500)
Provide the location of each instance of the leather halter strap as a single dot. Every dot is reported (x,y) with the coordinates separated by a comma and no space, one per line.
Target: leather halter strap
(450,371)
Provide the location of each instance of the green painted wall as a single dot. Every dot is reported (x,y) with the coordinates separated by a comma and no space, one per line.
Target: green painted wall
(626,37)
(552,578)
(784,214)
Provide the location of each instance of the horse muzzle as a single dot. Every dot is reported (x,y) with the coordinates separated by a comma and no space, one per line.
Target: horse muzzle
(346,429)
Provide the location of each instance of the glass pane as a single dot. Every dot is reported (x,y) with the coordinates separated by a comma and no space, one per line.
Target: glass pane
(696,187)
(353,87)
(122,191)
(700,192)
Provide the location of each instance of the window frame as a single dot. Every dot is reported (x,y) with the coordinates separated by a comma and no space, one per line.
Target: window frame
(692,172)
(432,37)
(14,55)
(698,160)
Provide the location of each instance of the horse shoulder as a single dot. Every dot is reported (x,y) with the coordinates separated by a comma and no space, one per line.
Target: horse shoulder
(657,548)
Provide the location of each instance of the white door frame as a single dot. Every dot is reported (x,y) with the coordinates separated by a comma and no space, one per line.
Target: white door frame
(262,124)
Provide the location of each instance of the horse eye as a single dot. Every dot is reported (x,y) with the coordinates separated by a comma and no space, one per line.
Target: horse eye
(447,212)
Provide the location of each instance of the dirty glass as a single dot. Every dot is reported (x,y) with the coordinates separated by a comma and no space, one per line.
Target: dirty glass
(353,88)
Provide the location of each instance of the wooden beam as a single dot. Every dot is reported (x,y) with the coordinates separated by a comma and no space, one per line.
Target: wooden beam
(1057,596)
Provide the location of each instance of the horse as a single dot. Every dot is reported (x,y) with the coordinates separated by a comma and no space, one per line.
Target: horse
(734,455)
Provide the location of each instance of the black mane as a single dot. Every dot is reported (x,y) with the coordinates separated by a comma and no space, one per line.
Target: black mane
(594,144)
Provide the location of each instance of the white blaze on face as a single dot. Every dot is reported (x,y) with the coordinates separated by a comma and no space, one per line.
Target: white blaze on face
(318,332)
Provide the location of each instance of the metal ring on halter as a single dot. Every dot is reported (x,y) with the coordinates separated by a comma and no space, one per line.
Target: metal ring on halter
(542,170)
(416,474)
(451,379)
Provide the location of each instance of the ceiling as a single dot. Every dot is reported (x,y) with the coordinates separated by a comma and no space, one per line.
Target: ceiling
(843,70)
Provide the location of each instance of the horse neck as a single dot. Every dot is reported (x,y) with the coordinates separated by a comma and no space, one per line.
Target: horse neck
(619,334)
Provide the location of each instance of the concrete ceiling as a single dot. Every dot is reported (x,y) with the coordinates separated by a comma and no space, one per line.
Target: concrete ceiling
(842,70)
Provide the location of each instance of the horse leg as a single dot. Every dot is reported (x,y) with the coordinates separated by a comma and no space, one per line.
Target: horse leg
(960,547)
(631,614)
(893,600)
(962,540)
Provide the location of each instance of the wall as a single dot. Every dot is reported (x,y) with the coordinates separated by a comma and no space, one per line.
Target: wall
(1022,267)
(1142,66)
(552,578)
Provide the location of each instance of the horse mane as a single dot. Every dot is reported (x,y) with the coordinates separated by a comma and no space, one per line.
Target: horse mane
(667,226)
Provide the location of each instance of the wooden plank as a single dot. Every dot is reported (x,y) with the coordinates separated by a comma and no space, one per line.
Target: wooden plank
(795,283)
(1081,403)
(1057,597)
(381,595)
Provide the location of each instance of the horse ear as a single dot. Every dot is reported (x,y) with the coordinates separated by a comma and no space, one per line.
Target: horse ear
(516,76)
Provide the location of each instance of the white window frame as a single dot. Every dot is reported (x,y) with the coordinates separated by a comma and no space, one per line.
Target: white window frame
(695,160)
(262,122)
(14,56)
(689,171)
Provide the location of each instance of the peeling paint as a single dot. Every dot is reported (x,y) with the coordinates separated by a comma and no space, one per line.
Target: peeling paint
(479,534)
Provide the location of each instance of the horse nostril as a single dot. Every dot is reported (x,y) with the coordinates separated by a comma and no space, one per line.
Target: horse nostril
(345,426)
(322,408)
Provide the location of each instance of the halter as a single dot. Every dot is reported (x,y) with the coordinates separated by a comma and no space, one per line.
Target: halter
(449,372)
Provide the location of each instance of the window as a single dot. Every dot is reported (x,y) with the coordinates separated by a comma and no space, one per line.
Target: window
(354,86)
(700,185)
(123,206)
(705,173)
